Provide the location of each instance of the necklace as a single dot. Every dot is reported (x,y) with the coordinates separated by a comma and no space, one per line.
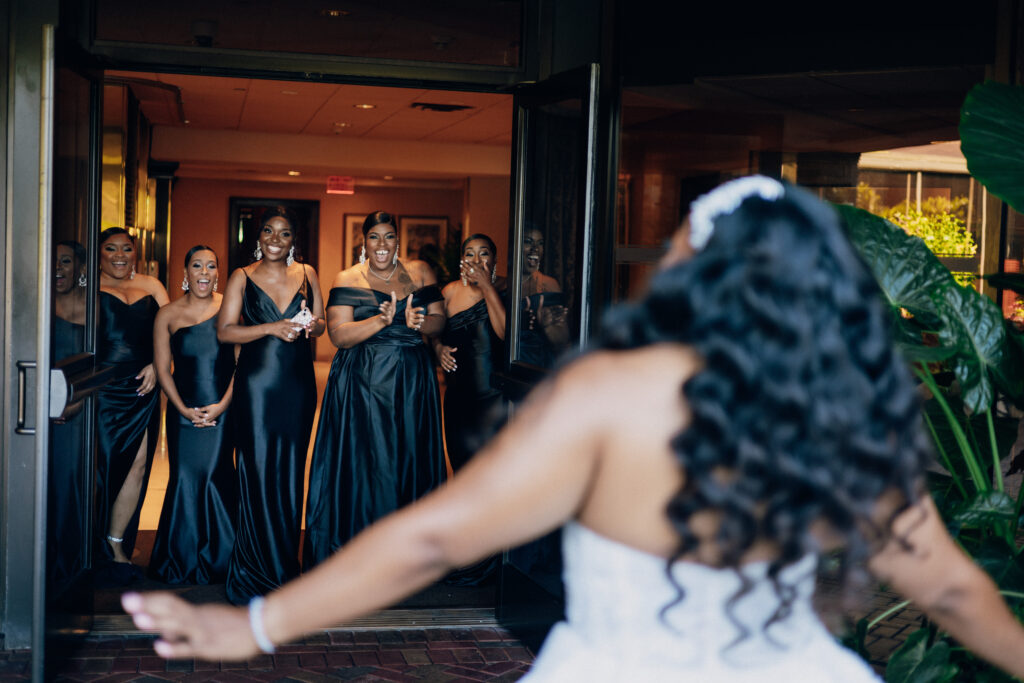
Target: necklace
(381,277)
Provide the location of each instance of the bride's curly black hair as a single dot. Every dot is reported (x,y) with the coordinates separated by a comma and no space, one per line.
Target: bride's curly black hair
(803,410)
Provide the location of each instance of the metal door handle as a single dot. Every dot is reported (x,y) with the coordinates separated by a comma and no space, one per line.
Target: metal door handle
(23,365)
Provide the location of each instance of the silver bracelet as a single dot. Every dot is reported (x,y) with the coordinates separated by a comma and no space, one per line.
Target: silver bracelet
(259,634)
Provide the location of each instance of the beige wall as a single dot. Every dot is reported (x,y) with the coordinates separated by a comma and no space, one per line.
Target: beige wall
(200,216)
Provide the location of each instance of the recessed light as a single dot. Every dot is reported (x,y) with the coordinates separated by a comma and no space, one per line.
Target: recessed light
(334,13)
(341,124)
(289,92)
(389,177)
(365,106)
(294,173)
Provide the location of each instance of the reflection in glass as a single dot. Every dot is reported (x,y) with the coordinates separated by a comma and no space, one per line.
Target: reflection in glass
(543,329)
(68,474)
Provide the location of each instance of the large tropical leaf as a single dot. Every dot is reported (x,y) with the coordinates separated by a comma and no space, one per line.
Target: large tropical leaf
(915,662)
(903,266)
(992,139)
(986,509)
(973,325)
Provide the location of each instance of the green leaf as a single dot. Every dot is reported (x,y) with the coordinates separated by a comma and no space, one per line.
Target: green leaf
(915,662)
(925,354)
(906,270)
(992,139)
(986,509)
(998,559)
(1012,281)
(974,326)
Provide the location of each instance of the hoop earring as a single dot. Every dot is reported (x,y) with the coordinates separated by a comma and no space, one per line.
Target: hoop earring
(184,283)
(291,256)
(82,282)
(362,254)
(258,252)
(394,259)
(132,275)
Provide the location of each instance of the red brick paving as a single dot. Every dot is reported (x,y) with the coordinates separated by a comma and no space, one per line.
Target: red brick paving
(434,655)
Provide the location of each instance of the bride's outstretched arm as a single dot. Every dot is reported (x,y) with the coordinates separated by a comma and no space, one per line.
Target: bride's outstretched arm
(532,479)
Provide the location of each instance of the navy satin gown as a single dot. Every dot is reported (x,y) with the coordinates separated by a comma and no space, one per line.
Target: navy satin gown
(197,523)
(534,345)
(378,445)
(125,342)
(473,409)
(273,407)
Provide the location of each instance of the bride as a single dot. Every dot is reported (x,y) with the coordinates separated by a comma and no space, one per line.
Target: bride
(748,415)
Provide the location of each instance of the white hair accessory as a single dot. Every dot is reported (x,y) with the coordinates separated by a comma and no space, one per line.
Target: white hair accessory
(725,199)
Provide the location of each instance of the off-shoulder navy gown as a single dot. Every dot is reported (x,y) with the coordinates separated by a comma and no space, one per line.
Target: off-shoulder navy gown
(273,407)
(197,522)
(378,445)
(125,342)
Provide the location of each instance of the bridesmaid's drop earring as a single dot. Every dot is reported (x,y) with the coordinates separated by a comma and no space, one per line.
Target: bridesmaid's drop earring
(258,252)
(362,254)
(184,283)
(215,285)
(394,259)
(82,282)
(291,256)
(494,275)
(132,276)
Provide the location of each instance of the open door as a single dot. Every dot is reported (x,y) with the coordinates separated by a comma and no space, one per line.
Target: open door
(551,247)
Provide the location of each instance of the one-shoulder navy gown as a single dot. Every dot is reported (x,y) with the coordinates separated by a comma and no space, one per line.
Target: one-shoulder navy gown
(378,445)
(273,407)
(472,407)
(197,522)
(125,342)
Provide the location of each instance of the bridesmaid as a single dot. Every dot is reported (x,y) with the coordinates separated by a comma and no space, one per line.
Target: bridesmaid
(544,331)
(271,308)
(68,477)
(472,341)
(127,413)
(196,530)
(378,446)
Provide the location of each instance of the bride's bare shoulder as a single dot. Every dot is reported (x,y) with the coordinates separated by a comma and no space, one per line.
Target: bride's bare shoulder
(618,377)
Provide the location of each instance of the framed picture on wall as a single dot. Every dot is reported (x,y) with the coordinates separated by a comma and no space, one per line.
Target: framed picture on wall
(353,241)
(417,232)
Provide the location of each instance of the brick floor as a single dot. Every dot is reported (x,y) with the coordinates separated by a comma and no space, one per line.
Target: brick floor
(434,655)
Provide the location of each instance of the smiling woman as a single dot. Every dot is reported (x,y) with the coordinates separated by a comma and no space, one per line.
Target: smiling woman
(271,309)
(378,446)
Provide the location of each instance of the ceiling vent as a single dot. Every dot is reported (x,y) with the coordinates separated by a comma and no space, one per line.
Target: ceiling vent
(434,106)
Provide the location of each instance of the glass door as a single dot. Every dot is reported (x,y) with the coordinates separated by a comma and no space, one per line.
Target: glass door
(71,276)
(551,279)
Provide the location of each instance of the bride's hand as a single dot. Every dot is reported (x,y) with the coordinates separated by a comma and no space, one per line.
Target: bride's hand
(192,631)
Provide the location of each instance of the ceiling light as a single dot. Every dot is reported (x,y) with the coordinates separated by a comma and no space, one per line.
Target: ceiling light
(389,177)
(365,106)
(341,124)
(334,13)
(294,173)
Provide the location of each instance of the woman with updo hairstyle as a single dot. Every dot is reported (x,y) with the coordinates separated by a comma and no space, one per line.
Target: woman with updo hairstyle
(472,342)
(378,446)
(127,413)
(271,308)
(749,415)
(197,522)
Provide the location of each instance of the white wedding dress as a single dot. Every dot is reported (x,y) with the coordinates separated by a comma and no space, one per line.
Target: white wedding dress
(615,631)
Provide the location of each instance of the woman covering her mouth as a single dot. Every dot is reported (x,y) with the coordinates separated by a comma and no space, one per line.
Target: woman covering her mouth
(378,445)
(197,523)
(271,308)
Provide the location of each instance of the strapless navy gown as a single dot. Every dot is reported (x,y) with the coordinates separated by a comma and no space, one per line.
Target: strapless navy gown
(125,342)
(473,408)
(273,407)
(378,446)
(68,476)
(197,522)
